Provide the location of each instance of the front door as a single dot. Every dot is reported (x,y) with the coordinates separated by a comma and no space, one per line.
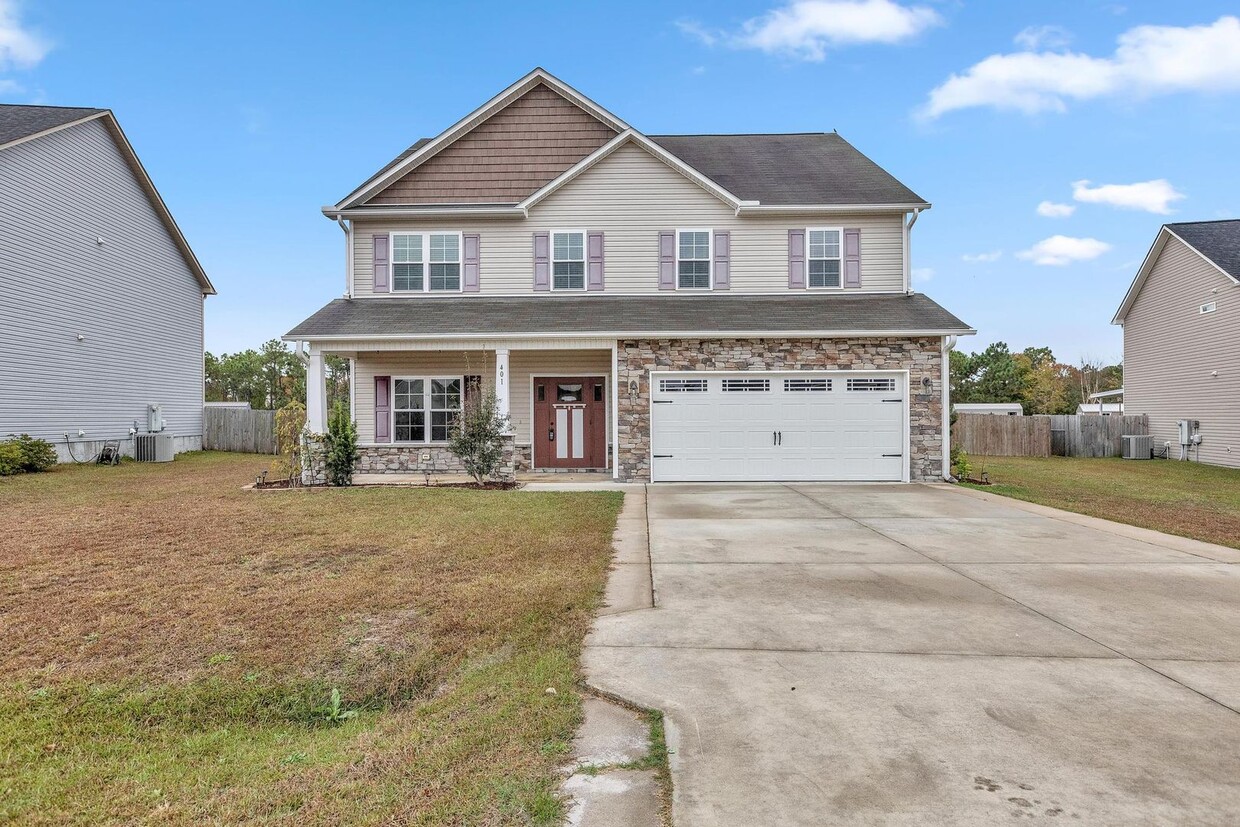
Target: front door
(570,422)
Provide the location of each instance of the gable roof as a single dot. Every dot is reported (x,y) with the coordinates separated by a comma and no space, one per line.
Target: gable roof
(1216,242)
(806,168)
(421,152)
(756,171)
(19,124)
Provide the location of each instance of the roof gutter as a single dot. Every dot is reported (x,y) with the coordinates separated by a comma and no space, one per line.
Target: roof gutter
(750,208)
(425,212)
(625,334)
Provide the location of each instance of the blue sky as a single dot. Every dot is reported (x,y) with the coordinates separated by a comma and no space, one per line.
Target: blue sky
(250,116)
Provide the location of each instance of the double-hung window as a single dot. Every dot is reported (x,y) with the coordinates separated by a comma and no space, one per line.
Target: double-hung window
(424,409)
(568,261)
(693,259)
(423,262)
(824,256)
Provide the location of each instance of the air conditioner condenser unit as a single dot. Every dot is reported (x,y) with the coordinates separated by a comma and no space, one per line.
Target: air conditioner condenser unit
(153,448)
(1138,446)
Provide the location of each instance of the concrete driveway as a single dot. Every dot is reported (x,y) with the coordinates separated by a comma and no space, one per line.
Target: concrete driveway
(846,654)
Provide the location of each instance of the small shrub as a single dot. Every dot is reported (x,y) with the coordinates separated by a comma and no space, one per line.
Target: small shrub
(290,420)
(25,454)
(341,441)
(478,437)
(961,467)
(335,711)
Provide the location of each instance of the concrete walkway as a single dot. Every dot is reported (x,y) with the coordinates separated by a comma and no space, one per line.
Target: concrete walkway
(831,654)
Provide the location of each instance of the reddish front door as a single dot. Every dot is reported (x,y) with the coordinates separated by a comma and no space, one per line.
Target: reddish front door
(570,422)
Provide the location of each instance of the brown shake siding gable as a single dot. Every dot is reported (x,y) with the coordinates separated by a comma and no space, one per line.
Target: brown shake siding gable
(507,157)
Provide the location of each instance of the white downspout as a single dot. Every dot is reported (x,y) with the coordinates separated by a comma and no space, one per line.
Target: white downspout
(908,259)
(949,342)
(348,256)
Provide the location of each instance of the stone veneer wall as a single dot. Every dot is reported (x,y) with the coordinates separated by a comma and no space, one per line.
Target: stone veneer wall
(921,357)
(403,459)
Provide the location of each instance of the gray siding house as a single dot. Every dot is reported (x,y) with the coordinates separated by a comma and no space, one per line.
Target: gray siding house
(101,298)
(1181,319)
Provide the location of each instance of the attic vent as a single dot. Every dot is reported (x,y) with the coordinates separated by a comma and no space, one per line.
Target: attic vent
(1209,307)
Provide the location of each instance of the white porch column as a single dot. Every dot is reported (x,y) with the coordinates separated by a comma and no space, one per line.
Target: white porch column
(501,383)
(316,393)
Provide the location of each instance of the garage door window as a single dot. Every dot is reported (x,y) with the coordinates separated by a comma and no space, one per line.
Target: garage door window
(807,385)
(682,385)
(746,385)
(872,384)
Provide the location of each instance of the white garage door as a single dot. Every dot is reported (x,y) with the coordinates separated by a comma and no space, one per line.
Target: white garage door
(807,425)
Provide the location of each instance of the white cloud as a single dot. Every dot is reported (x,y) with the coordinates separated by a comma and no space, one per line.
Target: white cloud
(922,274)
(982,258)
(1060,250)
(1049,209)
(1148,61)
(1151,196)
(20,48)
(807,29)
(1043,37)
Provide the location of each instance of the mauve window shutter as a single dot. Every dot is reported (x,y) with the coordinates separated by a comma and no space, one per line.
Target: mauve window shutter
(667,260)
(383,409)
(594,261)
(723,259)
(382,266)
(852,258)
(796,259)
(542,261)
(473,390)
(469,263)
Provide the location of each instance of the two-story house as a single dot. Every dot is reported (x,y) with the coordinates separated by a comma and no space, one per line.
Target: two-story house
(667,307)
(101,297)
(1181,319)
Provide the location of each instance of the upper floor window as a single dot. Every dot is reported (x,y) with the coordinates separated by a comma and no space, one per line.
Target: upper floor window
(824,256)
(568,261)
(426,262)
(693,259)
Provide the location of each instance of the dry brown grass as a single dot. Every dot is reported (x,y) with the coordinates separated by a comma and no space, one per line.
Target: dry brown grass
(145,607)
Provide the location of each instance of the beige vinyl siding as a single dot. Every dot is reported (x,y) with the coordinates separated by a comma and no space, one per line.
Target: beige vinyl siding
(631,196)
(1171,350)
(522,365)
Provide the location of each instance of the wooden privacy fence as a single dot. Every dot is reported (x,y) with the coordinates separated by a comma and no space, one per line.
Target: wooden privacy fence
(1003,436)
(1045,436)
(239,429)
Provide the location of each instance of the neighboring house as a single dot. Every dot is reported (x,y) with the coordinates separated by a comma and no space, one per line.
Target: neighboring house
(101,298)
(1181,319)
(682,307)
(998,408)
(1098,406)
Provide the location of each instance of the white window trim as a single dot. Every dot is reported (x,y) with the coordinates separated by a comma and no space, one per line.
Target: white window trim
(426,401)
(809,230)
(585,261)
(710,258)
(426,261)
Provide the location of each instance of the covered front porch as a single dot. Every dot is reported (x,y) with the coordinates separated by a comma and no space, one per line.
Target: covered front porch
(559,396)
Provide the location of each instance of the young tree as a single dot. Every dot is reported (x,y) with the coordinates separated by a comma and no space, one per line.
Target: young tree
(477,437)
(341,446)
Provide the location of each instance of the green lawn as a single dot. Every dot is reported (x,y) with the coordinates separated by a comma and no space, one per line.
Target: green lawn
(172,643)
(1185,498)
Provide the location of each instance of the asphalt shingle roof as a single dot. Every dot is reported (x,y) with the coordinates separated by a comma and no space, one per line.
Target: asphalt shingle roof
(1218,241)
(624,315)
(810,168)
(18,121)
